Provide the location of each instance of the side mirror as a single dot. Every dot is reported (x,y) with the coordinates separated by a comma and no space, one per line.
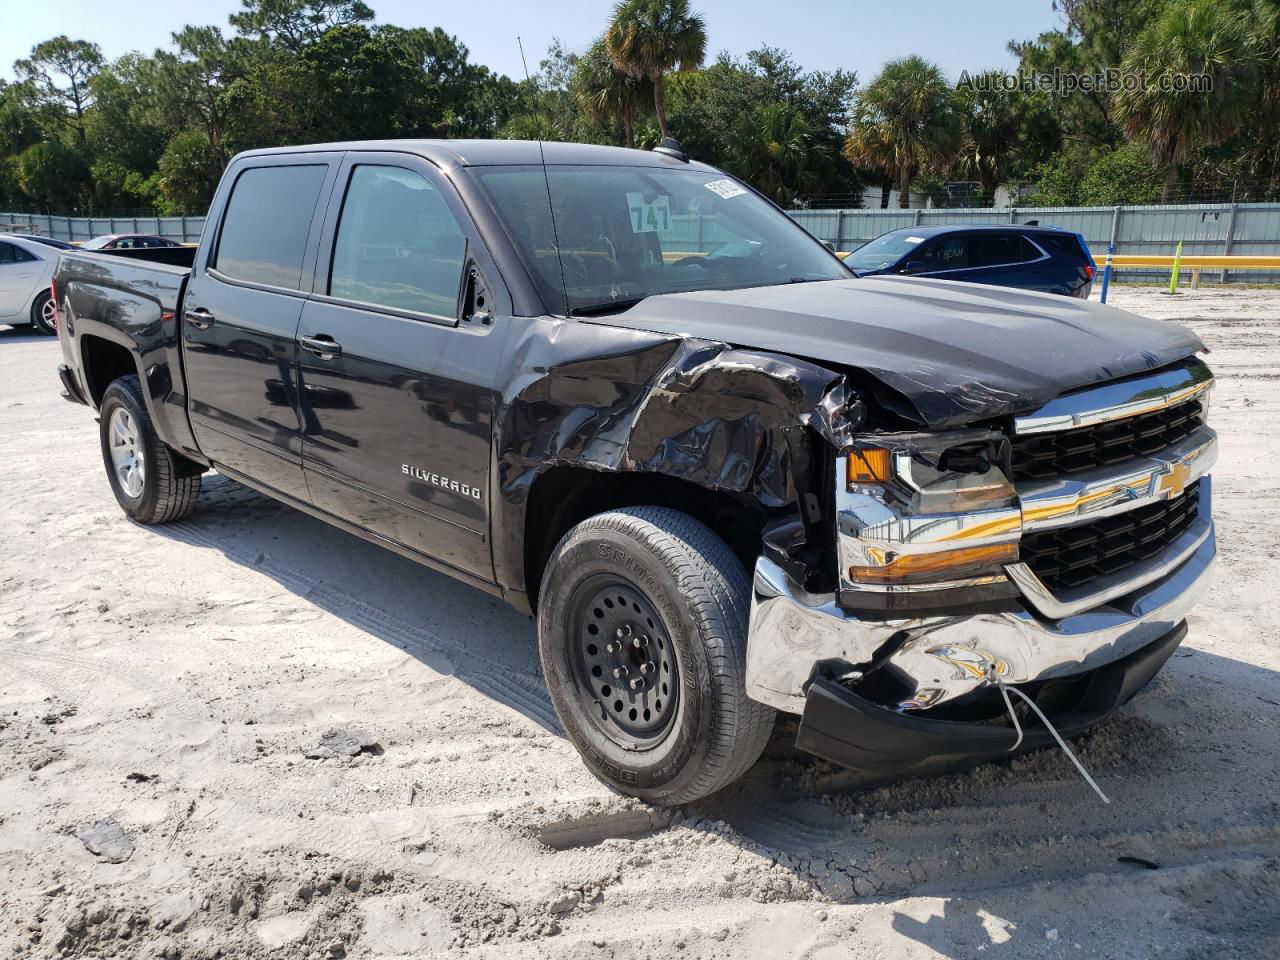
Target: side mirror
(914,266)
(829,245)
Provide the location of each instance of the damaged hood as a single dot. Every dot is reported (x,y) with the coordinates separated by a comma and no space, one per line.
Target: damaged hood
(954,353)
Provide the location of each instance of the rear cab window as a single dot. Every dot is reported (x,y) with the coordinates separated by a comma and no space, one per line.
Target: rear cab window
(264,230)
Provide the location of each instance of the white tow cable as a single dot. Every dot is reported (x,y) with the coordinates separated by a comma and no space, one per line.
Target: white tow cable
(1004,692)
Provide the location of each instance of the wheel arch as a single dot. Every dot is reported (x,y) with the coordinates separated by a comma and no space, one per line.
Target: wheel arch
(564,496)
(103,361)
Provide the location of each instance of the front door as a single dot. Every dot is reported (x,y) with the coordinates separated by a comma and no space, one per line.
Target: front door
(240,317)
(399,364)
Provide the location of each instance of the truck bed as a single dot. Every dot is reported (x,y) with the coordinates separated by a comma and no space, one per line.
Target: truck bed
(109,303)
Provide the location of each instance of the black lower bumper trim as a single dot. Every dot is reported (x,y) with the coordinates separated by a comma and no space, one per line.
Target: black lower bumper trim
(70,389)
(844,728)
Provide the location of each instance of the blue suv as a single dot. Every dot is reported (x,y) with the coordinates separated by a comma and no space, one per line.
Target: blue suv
(1007,255)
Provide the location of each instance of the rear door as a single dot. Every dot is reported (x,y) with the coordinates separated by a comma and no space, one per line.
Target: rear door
(400,353)
(241,312)
(1009,260)
(19,272)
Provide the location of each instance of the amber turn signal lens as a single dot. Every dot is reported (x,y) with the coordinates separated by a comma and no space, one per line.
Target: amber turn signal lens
(940,566)
(869,465)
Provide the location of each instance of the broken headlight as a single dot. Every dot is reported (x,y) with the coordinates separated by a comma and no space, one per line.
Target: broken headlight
(927,511)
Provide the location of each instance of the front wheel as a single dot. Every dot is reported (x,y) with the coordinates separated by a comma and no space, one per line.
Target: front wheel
(44,313)
(152,483)
(642,630)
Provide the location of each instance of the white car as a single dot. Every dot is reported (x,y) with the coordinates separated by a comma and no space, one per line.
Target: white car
(26,267)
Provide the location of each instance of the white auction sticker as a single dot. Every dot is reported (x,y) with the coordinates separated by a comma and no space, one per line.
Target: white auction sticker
(725,188)
(915,239)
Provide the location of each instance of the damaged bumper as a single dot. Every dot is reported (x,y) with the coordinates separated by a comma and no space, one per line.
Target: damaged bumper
(840,726)
(865,684)
(805,652)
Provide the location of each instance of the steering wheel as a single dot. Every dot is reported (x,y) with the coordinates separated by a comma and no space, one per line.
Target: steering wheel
(696,260)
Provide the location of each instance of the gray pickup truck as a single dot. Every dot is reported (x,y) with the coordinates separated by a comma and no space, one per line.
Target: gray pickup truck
(626,394)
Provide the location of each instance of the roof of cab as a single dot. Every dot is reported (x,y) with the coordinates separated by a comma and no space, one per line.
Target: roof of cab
(482,153)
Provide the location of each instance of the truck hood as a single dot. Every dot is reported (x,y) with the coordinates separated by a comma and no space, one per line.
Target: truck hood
(951,353)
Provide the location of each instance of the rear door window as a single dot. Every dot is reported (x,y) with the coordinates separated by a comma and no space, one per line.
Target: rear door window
(1000,249)
(398,244)
(264,231)
(12,253)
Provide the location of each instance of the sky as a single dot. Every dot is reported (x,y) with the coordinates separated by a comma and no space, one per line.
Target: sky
(822,34)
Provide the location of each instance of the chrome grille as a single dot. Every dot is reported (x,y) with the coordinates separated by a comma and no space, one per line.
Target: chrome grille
(1074,556)
(1043,456)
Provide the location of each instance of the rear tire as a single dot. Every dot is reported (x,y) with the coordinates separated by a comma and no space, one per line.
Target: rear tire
(655,594)
(44,315)
(151,482)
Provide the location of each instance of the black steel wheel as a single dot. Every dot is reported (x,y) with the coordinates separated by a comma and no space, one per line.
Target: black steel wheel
(625,665)
(642,630)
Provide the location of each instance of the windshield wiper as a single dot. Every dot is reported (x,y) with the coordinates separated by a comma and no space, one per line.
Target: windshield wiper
(608,306)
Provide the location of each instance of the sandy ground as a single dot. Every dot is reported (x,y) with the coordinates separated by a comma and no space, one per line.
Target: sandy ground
(165,684)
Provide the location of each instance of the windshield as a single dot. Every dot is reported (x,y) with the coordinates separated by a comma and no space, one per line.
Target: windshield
(883,251)
(97,243)
(626,233)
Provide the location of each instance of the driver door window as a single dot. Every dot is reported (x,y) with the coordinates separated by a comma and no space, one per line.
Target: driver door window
(949,252)
(398,244)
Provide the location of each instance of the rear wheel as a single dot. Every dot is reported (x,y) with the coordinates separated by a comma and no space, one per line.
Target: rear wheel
(44,313)
(152,483)
(642,628)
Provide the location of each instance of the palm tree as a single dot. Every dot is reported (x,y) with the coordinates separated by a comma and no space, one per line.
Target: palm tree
(992,128)
(649,38)
(868,150)
(776,149)
(608,93)
(1190,37)
(905,123)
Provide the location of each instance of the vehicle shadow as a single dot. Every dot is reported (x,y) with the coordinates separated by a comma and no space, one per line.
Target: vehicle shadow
(24,334)
(450,627)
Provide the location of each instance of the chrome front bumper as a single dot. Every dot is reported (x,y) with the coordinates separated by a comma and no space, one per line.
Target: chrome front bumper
(794,634)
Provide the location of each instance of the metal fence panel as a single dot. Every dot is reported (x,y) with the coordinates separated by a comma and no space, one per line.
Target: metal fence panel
(1208,228)
(78,229)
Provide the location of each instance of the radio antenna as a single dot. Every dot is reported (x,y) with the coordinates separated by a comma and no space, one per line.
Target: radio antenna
(546,179)
(523,62)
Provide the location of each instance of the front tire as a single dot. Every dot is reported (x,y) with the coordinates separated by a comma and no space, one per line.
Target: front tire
(642,630)
(152,483)
(44,313)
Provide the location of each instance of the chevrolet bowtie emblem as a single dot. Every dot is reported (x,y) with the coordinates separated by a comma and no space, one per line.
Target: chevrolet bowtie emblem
(1175,481)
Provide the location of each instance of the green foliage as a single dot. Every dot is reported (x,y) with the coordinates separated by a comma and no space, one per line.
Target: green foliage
(1122,176)
(188,173)
(650,38)
(734,112)
(1004,133)
(906,122)
(1111,178)
(52,174)
(1189,37)
(153,132)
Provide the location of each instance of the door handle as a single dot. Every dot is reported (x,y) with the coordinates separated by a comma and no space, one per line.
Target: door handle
(323,346)
(200,318)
